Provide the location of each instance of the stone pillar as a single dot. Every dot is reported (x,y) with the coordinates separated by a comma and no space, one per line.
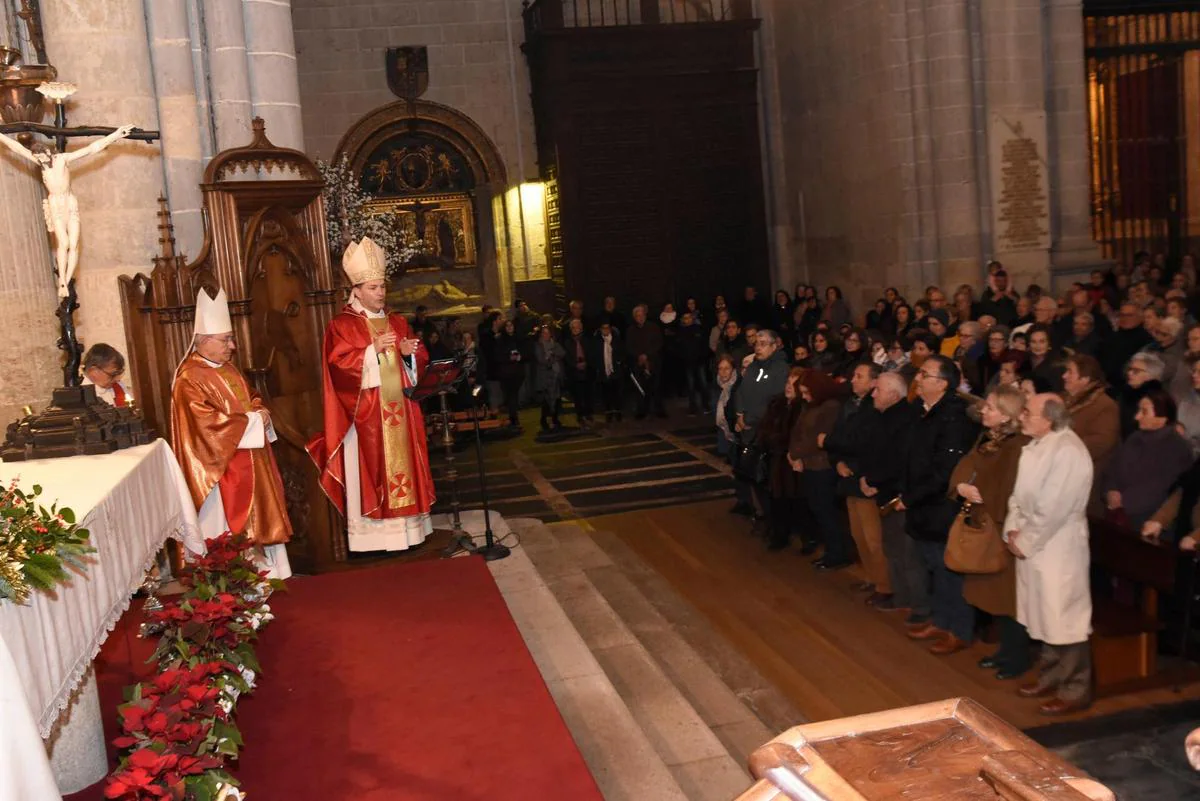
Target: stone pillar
(27,294)
(208,131)
(1073,251)
(274,81)
(101,45)
(228,75)
(183,166)
(786,269)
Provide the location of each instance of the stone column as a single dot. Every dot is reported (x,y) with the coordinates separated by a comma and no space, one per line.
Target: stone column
(183,166)
(27,295)
(208,130)
(1073,251)
(101,45)
(274,81)
(228,75)
(781,236)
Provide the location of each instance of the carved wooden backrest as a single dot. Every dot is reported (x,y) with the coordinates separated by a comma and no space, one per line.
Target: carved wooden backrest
(264,244)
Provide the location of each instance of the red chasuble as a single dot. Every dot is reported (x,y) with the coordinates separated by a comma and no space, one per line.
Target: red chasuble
(393,457)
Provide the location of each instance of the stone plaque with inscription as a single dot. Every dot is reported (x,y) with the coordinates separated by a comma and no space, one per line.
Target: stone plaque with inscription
(1020,181)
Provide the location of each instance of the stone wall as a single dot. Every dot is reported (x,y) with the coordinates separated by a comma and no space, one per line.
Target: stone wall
(882,109)
(475,66)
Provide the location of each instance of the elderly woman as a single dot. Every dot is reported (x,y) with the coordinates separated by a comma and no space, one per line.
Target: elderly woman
(1169,344)
(985,478)
(1046,529)
(784,484)
(549,376)
(820,393)
(1144,467)
(1094,415)
(1143,374)
(1045,361)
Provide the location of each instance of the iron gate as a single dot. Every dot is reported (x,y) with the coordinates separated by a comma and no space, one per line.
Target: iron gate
(1143,72)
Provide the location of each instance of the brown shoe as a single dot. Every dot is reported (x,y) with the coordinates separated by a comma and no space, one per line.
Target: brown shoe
(949,645)
(1034,690)
(1057,706)
(927,632)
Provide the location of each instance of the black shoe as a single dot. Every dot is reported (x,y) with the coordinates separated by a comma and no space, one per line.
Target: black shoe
(989,663)
(809,548)
(825,566)
(1008,674)
(742,509)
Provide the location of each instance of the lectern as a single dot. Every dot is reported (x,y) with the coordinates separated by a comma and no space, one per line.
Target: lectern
(947,750)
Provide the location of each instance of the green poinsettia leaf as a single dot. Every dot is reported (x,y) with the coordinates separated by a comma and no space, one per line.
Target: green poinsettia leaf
(67,514)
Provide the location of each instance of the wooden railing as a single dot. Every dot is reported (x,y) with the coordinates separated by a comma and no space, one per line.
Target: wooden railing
(546,15)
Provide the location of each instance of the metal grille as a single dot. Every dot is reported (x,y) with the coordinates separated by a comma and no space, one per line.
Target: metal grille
(543,15)
(554,239)
(1143,62)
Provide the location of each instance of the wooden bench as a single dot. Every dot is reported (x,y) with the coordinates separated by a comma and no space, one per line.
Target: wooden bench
(1125,636)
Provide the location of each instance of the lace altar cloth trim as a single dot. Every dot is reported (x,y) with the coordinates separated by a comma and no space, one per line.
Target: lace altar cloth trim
(131,502)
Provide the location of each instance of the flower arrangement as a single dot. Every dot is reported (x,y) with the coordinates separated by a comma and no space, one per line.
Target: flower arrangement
(37,544)
(177,729)
(348,218)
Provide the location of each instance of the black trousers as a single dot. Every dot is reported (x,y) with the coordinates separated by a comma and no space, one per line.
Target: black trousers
(786,512)
(610,394)
(581,393)
(1016,650)
(511,388)
(551,411)
(652,387)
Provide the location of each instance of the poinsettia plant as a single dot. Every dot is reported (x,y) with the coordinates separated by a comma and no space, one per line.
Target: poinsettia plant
(177,728)
(37,545)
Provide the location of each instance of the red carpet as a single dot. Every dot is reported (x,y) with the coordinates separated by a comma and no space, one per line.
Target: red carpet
(399,683)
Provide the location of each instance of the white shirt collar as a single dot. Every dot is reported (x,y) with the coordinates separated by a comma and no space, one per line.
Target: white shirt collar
(361,309)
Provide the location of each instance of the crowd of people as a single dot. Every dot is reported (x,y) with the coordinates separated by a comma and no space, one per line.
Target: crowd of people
(955,444)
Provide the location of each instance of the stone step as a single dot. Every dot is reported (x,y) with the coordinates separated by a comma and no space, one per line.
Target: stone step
(695,723)
(621,758)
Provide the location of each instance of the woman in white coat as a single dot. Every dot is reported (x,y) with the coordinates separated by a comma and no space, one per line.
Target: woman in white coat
(1046,529)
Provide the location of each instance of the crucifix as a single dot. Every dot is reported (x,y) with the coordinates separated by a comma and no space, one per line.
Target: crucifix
(61,208)
(419,210)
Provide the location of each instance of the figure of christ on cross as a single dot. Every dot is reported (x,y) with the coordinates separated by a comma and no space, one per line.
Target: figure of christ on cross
(61,207)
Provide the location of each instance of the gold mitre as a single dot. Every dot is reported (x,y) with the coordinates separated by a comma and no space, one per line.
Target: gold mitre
(364,261)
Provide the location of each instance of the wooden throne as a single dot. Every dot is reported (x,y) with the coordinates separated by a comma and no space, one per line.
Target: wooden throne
(264,243)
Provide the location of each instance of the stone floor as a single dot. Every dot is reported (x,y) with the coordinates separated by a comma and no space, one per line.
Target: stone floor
(660,706)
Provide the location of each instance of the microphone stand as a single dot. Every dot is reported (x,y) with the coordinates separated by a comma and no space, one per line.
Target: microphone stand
(491,549)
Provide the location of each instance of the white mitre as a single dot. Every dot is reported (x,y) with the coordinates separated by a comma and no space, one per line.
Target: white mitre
(364,261)
(212,314)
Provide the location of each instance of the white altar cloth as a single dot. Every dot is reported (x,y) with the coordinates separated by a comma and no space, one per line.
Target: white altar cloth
(131,502)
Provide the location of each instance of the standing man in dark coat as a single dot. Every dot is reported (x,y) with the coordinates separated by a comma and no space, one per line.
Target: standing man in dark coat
(608,367)
(941,436)
(644,344)
(579,370)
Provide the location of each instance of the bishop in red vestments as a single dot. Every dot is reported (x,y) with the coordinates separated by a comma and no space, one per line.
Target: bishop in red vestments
(373,457)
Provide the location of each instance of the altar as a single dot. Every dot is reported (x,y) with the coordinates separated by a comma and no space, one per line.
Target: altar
(131,502)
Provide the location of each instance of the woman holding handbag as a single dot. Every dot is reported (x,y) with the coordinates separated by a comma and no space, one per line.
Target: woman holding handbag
(773,436)
(983,480)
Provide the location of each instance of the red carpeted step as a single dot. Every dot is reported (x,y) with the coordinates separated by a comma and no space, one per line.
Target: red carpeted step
(403,682)
(396,683)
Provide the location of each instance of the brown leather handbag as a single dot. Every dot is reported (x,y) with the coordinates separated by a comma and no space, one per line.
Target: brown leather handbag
(974,545)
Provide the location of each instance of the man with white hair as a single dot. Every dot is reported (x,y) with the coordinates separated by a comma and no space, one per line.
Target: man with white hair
(880,474)
(1046,529)
(221,434)
(1044,312)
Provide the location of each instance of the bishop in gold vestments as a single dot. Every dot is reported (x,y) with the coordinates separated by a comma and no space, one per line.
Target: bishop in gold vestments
(221,434)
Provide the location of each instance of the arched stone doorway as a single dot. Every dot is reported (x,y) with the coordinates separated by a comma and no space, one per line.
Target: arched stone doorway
(437,173)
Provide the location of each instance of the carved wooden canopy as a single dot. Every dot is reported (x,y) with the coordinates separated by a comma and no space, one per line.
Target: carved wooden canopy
(265,245)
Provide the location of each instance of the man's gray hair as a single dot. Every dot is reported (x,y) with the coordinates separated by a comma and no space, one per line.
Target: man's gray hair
(770,335)
(1154,366)
(1055,412)
(1086,317)
(1171,326)
(895,382)
(970,328)
(643,307)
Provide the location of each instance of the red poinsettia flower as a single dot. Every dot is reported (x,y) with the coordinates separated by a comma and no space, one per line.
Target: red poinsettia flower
(134,783)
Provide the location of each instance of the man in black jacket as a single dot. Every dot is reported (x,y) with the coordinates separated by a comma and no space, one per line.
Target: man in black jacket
(880,477)
(941,436)
(644,344)
(608,365)
(1129,338)
(579,370)
(847,447)
(691,345)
